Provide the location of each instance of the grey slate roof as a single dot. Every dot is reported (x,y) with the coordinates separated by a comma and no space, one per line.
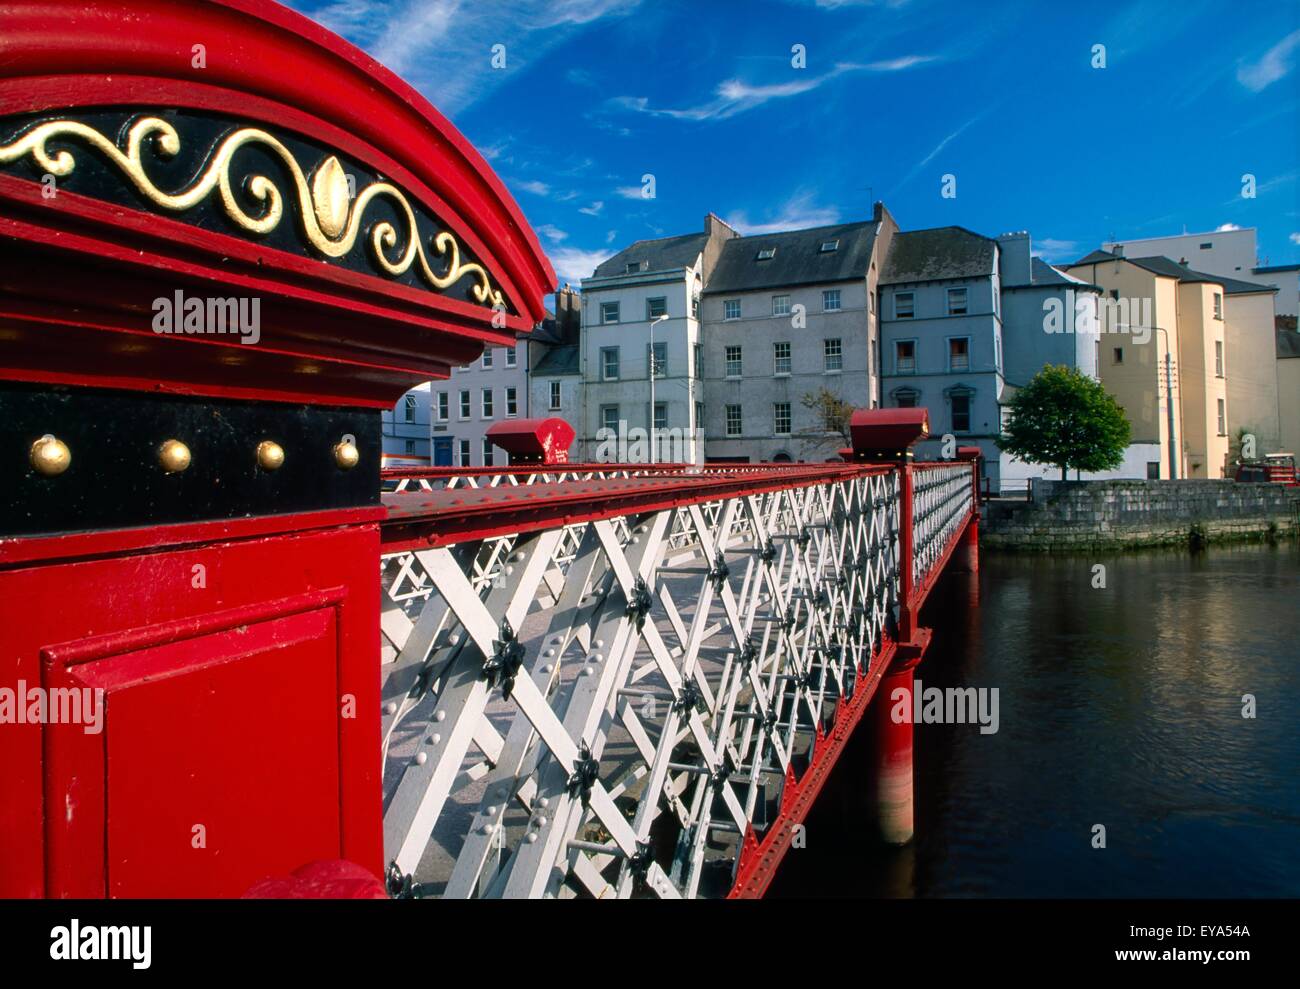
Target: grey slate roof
(1170,268)
(1288,344)
(663,254)
(798,260)
(1043,273)
(557,361)
(940,252)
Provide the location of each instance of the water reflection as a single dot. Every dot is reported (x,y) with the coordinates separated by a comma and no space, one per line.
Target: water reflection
(1120,706)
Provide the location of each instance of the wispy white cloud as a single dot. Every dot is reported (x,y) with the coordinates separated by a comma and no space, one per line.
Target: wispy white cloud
(1051,249)
(535,187)
(573,264)
(735,96)
(594,209)
(938,149)
(552,233)
(1276,182)
(1273,65)
(444,47)
(798,212)
(1294,238)
(629,192)
(1226,226)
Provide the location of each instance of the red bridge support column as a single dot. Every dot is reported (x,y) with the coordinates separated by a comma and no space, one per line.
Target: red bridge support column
(966,554)
(894,707)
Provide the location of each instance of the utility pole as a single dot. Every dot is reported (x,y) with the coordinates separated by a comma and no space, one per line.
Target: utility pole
(1169,405)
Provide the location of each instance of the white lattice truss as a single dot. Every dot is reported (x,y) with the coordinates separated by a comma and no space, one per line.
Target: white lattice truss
(607,708)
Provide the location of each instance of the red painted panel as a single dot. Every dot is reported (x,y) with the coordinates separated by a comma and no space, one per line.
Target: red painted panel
(243,712)
(206,715)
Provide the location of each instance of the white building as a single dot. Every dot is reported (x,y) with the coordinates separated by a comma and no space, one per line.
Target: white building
(405,430)
(790,317)
(1228,253)
(476,396)
(650,288)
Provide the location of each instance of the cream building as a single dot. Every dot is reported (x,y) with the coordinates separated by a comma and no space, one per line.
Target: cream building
(1163,355)
(1288,388)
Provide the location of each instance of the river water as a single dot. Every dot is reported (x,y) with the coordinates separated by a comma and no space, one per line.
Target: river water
(1120,706)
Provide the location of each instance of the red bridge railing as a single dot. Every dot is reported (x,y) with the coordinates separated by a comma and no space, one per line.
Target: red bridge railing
(609,679)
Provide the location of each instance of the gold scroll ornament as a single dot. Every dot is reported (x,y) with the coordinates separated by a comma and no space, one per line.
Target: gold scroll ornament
(330,219)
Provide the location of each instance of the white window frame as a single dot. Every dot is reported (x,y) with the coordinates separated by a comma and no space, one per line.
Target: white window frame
(650,307)
(444,406)
(605,353)
(830,295)
(778,415)
(654,362)
(739,360)
(727,309)
(781,305)
(512,402)
(898,359)
(965,301)
(778,360)
(910,302)
(512,358)
(487,403)
(739,421)
(465,404)
(605,309)
(951,363)
(833,355)
(487,358)
(555,396)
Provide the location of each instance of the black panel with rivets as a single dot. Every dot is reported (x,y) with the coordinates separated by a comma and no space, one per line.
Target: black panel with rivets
(114,478)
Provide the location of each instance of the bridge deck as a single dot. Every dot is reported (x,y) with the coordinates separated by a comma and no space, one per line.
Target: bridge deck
(635,684)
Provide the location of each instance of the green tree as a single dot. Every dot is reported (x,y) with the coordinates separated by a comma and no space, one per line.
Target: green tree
(1065,418)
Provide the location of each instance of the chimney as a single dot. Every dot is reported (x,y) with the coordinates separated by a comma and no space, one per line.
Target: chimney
(1015,267)
(717,232)
(568,312)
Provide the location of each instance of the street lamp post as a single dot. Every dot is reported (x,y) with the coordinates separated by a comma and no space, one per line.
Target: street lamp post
(653,369)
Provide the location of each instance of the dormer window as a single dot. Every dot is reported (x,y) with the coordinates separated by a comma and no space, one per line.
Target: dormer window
(633,266)
(830,245)
(767,254)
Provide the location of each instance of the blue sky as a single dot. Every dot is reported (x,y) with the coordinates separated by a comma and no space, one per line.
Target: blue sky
(894,95)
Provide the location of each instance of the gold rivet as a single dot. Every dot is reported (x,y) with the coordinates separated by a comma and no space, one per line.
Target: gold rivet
(346,455)
(270,455)
(174,456)
(50,456)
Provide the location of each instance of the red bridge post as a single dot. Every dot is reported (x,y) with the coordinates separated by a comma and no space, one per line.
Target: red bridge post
(888,435)
(966,557)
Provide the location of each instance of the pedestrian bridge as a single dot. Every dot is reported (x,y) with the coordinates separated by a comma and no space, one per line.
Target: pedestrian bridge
(609,679)
(591,679)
